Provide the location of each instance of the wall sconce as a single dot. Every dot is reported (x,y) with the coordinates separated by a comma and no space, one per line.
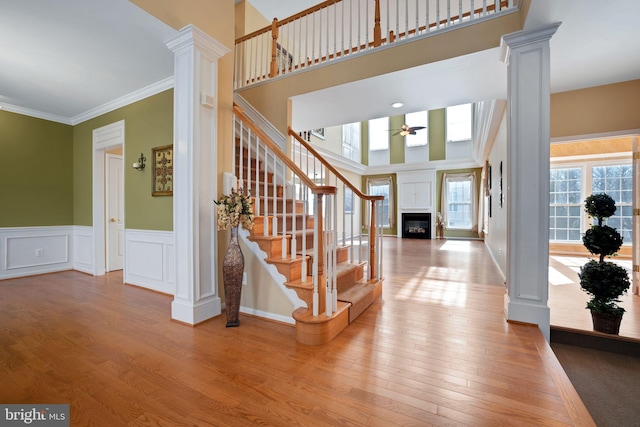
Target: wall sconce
(139,165)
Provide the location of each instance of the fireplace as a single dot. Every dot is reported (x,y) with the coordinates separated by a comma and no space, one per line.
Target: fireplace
(416,225)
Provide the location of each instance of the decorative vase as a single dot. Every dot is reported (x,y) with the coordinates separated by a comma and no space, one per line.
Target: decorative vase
(232,271)
(606,323)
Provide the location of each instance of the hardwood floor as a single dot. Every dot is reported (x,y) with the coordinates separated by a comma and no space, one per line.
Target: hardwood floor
(433,350)
(567,301)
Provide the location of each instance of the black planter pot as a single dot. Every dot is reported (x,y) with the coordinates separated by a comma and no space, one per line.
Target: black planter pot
(606,323)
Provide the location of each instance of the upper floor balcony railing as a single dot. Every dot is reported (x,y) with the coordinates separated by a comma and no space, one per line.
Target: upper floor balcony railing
(337,29)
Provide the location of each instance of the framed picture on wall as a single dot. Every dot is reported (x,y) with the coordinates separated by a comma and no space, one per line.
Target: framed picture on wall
(162,172)
(318,132)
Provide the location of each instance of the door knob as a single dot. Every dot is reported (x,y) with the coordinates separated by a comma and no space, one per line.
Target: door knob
(113,220)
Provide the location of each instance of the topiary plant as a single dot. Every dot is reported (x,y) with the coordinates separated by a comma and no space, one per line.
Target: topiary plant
(605,281)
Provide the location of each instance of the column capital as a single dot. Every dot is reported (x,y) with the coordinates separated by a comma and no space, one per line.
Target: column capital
(190,36)
(523,38)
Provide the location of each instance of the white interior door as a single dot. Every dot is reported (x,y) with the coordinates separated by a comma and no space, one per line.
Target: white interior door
(115,212)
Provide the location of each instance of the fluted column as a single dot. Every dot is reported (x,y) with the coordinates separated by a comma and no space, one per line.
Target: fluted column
(526,54)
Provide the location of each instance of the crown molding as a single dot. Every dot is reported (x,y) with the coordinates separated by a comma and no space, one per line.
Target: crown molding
(35,113)
(130,98)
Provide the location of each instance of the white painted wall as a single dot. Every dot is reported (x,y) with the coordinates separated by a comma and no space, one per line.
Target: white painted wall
(496,238)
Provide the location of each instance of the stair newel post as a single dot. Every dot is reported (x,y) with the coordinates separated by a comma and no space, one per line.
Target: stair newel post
(372,240)
(273,68)
(377,29)
(319,277)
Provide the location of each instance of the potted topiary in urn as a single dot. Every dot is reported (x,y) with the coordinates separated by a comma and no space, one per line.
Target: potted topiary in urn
(605,281)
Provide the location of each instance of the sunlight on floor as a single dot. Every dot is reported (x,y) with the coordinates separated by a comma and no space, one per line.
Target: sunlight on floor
(447,293)
(556,278)
(457,246)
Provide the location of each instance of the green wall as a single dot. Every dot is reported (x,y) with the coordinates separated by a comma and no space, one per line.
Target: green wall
(437,134)
(36,177)
(364,142)
(148,124)
(396,142)
(478,176)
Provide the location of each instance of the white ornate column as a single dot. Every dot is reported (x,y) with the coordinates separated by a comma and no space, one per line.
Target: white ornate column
(194,150)
(526,54)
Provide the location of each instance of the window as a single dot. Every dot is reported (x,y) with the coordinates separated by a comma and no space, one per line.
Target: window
(617,182)
(383,187)
(458,201)
(459,123)
(421,118)
(351,141)
(568,187)
(566,204)
(379,134)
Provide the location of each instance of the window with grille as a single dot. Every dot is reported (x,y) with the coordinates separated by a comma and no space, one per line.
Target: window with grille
(617,182)
(565,198)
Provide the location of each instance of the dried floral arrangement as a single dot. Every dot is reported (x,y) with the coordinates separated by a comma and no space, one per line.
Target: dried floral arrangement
(235,209)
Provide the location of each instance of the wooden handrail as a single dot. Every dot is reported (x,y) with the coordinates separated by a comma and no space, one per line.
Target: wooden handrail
(315,189)
(298,15)
(341,177)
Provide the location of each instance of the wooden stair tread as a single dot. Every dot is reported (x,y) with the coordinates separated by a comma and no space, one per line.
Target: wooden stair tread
(287,260)
(305,315)
(300,284)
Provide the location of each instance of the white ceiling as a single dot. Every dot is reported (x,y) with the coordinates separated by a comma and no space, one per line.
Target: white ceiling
(60,59)
(64,59)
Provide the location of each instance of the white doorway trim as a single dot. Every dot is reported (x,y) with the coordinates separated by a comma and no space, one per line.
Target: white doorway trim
(104,138)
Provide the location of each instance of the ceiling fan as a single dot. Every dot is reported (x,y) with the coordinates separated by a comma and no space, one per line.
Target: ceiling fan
(407,130)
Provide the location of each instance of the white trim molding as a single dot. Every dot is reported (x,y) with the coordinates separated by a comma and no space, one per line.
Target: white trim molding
(26,251)
(150,261)
(105,137)
(83,252)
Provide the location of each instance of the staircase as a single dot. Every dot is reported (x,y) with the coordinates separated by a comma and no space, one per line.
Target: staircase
(327,274)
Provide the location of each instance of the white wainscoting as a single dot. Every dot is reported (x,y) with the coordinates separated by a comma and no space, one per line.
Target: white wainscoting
(83,250)
(25,251)
(150,260)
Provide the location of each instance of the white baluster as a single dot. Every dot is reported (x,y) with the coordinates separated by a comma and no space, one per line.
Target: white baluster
(428,28)
(334,250)
(265,204)
(484,7)
(314,269)
(274,209)
(256,198)
(448,13)
(284,213)
(305,212)
(249,166)
(327,254)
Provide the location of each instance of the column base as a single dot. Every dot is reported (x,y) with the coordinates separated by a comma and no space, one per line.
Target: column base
(192,314)
(520,311)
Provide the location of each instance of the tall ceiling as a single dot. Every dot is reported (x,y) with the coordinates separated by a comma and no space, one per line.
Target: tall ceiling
(66,59)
